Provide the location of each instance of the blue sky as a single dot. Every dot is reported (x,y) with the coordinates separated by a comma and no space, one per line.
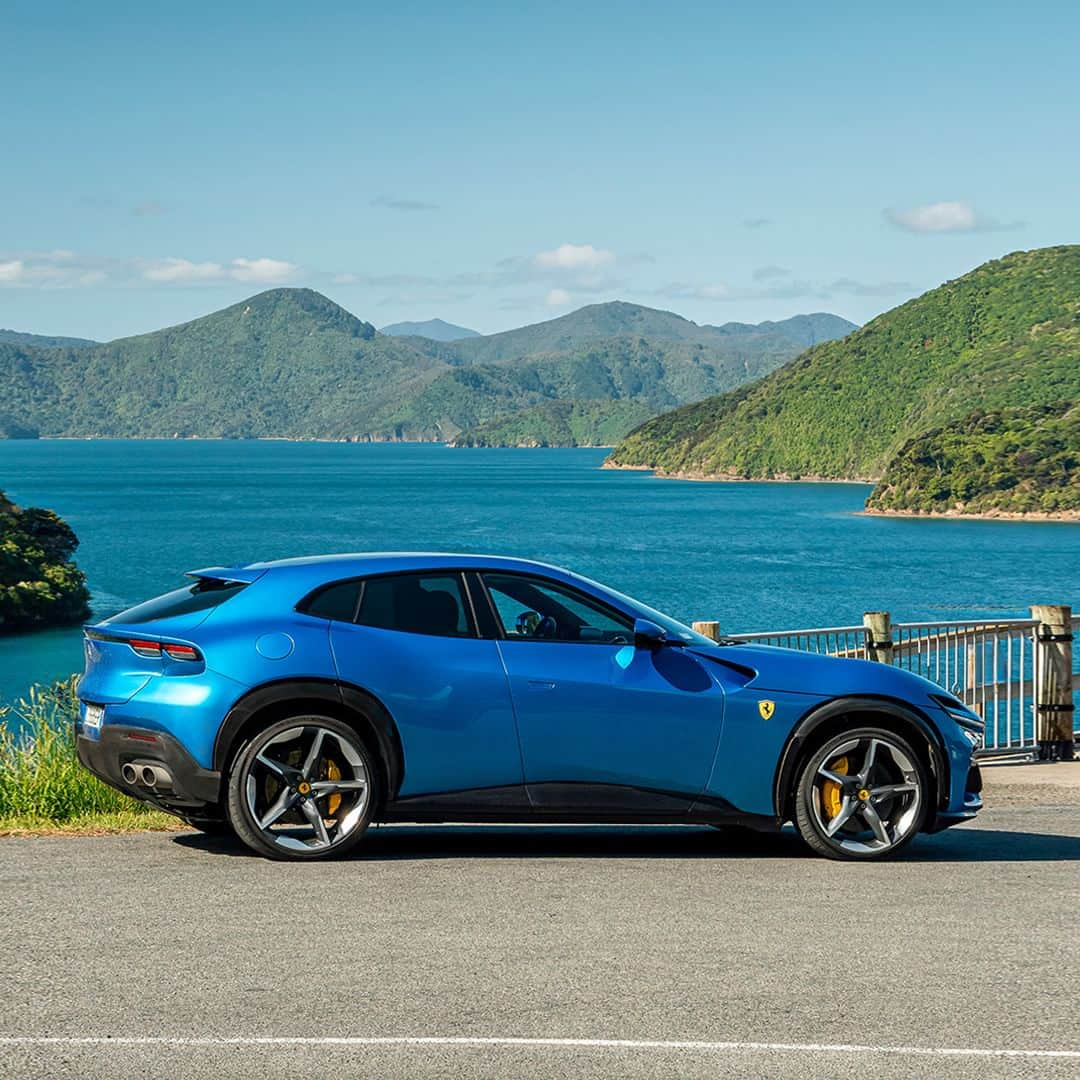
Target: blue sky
(496,164)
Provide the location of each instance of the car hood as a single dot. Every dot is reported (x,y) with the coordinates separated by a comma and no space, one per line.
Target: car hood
(792,671)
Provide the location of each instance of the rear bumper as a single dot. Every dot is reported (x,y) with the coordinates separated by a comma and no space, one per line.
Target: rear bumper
(193,787)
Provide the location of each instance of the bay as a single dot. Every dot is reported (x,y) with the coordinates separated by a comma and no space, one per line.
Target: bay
(755,556)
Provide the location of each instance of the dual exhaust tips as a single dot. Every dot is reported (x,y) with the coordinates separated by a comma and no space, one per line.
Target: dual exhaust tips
(151,776)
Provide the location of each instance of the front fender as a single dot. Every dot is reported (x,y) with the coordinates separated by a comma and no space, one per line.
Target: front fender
(805,729)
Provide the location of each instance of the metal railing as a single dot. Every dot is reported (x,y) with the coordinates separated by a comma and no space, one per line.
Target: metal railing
(992,665)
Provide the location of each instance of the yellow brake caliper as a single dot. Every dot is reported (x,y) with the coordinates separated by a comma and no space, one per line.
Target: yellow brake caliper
(830,790)
(332,773)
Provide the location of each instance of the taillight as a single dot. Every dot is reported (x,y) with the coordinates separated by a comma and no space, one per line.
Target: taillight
(153,650)
(182,652)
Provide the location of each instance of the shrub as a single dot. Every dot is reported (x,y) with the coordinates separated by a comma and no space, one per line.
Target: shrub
(40,776)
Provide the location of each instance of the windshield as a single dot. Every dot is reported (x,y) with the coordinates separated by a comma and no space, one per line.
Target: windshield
(675,628)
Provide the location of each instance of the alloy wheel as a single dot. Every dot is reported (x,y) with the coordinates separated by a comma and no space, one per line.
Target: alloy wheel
(306,788)
(866,794)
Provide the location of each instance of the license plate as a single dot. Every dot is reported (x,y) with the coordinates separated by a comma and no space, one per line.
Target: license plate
(93,715)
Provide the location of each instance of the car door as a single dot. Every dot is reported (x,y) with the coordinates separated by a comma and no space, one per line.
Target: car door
(604,726)
(413,643)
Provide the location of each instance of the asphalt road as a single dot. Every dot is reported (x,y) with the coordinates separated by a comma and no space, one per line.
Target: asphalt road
(651,936)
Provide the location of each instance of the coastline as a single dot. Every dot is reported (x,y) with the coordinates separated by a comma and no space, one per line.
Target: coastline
(1068,517)
(715,478)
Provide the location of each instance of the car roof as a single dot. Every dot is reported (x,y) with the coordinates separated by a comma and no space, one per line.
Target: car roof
(322,568)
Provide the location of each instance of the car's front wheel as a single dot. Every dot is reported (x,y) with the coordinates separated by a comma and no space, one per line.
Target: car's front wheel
(864,794)
(303,788)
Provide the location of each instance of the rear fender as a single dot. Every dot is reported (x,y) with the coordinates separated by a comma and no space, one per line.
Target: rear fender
(349,703)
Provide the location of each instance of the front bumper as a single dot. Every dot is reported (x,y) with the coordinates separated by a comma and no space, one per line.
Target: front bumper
(193,787)
(971,806)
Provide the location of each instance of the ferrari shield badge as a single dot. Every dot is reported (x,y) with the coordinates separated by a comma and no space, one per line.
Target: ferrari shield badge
(766,708)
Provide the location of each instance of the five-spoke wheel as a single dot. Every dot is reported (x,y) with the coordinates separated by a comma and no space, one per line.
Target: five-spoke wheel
(302,789)
(861,795)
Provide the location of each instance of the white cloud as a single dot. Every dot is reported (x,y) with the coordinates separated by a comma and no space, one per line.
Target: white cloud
(935,217)
(573,257)
(265,271)
(11,272)
(183,271)
(944,217)
(558,298)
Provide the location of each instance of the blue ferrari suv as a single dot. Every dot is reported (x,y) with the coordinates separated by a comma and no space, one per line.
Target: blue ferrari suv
(296,702)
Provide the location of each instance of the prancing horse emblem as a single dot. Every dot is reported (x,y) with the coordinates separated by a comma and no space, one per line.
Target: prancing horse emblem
(766,708)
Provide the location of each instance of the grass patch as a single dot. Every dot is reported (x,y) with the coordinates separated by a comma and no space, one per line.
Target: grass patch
(43,788)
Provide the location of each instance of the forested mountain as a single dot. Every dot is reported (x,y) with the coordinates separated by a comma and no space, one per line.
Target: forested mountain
(1005,335)
(1019,461)
(434,329)
(291,363)
(43,341)
(601,322)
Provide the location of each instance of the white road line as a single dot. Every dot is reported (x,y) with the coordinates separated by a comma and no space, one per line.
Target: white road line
(588,1044)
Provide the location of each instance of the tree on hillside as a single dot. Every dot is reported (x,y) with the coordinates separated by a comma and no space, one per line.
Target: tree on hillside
(39,584)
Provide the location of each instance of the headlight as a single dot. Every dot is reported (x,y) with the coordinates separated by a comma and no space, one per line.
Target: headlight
(973,737)
(969,720)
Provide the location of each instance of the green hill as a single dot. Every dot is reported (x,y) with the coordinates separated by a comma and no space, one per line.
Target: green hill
(43,341)
(434,329)
(39,584)
(617,319)
(288,362)
(291,363)
(1017,461)
(560,423)
(1007,334)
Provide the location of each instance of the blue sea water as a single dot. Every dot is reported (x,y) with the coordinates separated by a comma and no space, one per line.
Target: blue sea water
(753,556)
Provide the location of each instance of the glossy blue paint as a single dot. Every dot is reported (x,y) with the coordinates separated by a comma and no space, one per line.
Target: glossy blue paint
(475,712)
(449,698)
(583,718)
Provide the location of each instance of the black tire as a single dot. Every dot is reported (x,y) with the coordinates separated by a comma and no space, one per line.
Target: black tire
(911,812)
(241,816)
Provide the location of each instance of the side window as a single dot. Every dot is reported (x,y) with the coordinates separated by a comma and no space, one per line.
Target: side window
(336,601)
(416,604)
(540,610)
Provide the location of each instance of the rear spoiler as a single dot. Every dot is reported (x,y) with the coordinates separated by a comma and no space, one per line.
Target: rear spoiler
(243,575)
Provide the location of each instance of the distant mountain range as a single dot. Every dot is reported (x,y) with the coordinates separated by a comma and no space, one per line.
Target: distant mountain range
(290,363)
(13,337)
(916,381)
(433,329)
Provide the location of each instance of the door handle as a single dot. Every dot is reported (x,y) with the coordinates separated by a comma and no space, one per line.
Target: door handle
(541,684)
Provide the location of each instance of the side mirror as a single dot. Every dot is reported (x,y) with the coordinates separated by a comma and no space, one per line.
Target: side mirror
(647,635)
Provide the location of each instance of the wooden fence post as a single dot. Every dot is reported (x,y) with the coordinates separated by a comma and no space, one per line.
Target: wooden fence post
(878,636)
(709,629)
(1053,682)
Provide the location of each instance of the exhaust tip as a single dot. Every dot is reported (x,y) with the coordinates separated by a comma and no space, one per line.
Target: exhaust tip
(156,776)
(129,773)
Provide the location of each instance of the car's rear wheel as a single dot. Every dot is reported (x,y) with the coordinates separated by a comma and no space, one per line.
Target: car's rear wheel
(304,788)
(864,794)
